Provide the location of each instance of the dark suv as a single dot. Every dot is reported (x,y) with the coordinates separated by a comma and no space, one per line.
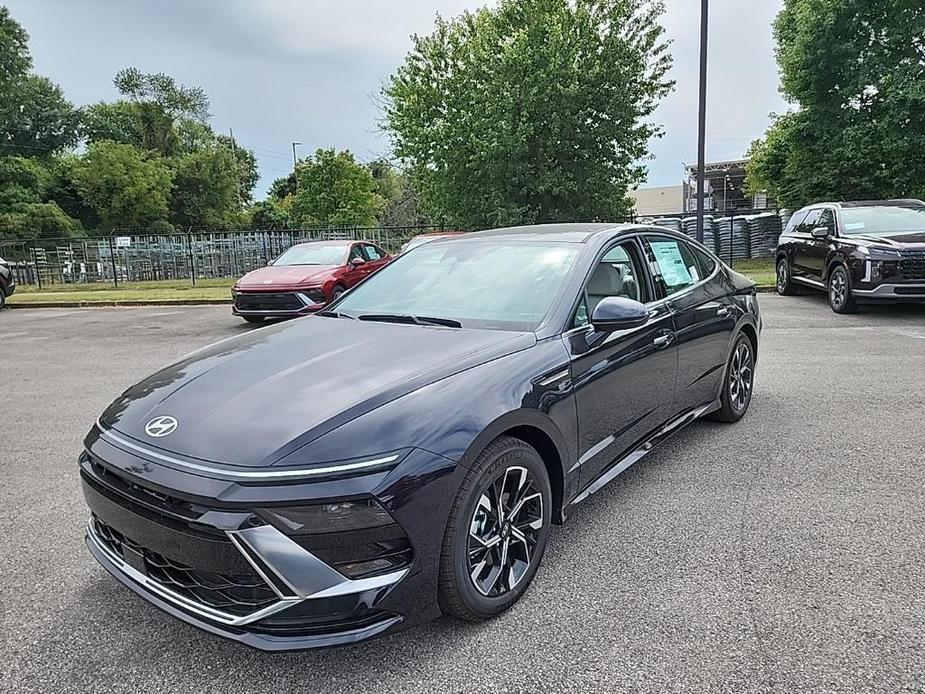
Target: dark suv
(7,282)
(857,252)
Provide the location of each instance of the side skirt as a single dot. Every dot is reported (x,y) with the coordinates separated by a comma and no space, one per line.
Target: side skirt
(643,449)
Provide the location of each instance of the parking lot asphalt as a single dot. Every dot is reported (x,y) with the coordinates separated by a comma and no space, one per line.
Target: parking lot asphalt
(784,553)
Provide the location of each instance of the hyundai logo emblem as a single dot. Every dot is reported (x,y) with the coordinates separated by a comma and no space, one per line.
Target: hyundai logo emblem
(161,426)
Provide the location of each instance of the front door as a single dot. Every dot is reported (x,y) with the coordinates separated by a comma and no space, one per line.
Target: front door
(623,381)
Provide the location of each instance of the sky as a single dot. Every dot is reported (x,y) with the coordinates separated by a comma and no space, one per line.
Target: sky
(310,71)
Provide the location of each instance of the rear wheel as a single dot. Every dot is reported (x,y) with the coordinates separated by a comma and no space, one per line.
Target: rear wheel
(839,291)
(497,531)
(737,382)
(785,285)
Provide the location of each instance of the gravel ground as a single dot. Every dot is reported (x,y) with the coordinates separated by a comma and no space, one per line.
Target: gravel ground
(784,553)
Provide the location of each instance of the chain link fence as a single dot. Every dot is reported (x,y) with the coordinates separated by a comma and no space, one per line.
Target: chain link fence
(145,257)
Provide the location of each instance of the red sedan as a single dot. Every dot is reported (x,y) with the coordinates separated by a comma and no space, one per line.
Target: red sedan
(305,278)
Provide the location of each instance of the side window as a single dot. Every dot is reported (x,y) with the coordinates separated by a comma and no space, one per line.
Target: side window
(795,221)
(811,221)
(705,262)
(617,274)
(673,264)
(373,252)
(827,220)
(356,251)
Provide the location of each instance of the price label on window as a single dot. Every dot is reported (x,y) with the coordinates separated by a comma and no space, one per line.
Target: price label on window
(668,255)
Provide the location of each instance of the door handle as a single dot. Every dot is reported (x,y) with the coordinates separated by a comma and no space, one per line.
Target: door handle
(662,341)
(722,311)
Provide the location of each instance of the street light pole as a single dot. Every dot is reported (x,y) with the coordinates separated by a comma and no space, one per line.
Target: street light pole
(702,119)
(295,162)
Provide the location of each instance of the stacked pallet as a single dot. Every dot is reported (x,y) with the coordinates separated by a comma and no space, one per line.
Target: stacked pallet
(763,232)
(733,241)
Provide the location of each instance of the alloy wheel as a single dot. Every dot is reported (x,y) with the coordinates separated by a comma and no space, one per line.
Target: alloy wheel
(741,372)
(504,532)
(781,276)
(838,289)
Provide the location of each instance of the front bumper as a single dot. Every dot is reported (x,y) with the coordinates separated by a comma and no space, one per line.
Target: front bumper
(889,291)
(192,568)
(285,304)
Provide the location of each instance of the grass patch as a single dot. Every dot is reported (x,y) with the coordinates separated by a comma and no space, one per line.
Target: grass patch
(759,270)
(127,291)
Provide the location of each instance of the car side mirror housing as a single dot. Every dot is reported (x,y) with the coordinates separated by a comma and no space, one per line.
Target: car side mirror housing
(356,262)
(820,232)
(618,313)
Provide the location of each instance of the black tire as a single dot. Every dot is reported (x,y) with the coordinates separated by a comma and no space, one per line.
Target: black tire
(738,382)
(2,298)
(838,289)
(506,461)
(338,292)
(784,284)
(253,319)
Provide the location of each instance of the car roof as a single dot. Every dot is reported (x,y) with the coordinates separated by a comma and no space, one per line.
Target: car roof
(845,204)
(569,233)
(331,242)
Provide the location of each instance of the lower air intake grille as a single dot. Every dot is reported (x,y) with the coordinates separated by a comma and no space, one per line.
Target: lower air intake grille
(238,595)
(268,302)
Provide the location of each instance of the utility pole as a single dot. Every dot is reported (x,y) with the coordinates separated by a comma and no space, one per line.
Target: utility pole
(702,119)
(237,172)
(295,163)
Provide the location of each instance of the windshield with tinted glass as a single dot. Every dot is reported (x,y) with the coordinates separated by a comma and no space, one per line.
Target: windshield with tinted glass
(882,221)
(311,254)
(491,283)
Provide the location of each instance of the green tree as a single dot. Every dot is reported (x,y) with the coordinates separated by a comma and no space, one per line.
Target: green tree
(35,118)
(283,187)
(123,186)
(334,189)
(22,180)
(533,111)
(855,71)
(268,214)
(29,220)
(205,189)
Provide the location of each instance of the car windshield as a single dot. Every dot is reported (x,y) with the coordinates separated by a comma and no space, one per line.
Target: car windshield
(314,254)
(492,283)
(882,221)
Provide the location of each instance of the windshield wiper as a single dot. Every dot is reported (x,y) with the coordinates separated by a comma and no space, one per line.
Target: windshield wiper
(335,314)
(404,318)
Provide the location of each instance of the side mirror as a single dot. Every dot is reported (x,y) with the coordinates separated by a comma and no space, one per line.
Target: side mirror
(618,313)
(820,232)
(356,262)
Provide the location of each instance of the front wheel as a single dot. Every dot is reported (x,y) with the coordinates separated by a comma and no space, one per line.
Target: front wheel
(738,382)
(2,298)
(497,531)
(337,293)
(840,299)
(784,282)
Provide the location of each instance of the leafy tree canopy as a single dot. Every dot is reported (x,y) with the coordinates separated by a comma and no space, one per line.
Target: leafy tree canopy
(205,189)
(125,188)
(28,220)
(855,71)
(533,111)
(334,189)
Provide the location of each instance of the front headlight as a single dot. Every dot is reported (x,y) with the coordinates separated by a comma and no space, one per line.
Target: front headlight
(319,519)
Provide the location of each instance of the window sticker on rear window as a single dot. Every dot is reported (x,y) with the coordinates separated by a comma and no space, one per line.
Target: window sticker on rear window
(670,262)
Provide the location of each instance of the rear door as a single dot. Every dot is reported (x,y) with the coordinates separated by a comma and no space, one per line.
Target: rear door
(690,282)
(623,381)
(377,256)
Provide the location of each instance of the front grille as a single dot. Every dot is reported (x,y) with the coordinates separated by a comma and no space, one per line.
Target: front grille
(238,595)
(268,302)
(913,264)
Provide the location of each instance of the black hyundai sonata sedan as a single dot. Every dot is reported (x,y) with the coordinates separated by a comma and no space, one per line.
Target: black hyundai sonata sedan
(405,453)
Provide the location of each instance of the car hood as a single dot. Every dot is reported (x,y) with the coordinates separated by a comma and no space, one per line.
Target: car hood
(253,399)
(285,276)
(914,240)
